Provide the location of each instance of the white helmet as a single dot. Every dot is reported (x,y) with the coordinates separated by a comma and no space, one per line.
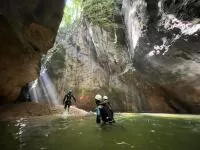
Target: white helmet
(98,97)
(105,97)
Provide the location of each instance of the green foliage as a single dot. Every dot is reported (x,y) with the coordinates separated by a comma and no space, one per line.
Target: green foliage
(67,15)
(72,11)
(100,12)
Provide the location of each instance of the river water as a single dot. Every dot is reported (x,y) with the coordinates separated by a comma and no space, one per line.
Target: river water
(131,131)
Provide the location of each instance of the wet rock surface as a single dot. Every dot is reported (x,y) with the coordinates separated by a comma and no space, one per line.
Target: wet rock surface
(167,52)
(156,69)
(28,30)
(150,64)
(94,63)
(31,109)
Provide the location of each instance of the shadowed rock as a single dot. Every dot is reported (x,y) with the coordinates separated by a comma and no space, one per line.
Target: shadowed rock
(28,29)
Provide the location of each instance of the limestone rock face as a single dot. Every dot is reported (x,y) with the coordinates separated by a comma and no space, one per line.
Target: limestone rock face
(28,30)
(87,59)
(152,65)
(165,48)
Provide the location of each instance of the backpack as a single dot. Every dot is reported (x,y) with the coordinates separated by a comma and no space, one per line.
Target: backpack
(106,113)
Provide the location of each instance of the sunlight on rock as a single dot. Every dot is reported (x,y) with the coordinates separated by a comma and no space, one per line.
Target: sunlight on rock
(47,89)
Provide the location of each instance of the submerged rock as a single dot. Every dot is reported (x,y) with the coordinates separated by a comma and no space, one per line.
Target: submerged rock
(30,109)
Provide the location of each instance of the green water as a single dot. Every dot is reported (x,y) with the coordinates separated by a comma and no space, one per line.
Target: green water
(138,132)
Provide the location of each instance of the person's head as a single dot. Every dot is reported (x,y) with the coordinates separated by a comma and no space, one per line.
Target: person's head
(70,91)
(105,99)
(98,99)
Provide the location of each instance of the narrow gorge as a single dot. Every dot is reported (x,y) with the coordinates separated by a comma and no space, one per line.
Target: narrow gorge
(99,74)
(143,54)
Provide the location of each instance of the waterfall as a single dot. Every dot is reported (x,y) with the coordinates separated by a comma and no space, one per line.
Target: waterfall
(33,91)
(42,90)
(135,20)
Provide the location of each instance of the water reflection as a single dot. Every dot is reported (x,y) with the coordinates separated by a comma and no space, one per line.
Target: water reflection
(130,132)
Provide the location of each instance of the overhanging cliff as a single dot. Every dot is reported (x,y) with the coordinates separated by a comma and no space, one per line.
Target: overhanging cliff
(27,30)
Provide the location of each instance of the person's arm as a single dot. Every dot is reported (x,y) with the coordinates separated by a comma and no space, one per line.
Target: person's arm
(98,117)
(64,99)
(110,106)
(98,111)
(74,98)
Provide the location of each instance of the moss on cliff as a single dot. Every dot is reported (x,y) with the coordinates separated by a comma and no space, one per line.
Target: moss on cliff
(72,11)
(100,12)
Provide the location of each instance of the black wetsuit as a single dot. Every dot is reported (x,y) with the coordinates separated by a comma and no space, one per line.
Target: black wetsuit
(109,112)
(104,113)
(67,100)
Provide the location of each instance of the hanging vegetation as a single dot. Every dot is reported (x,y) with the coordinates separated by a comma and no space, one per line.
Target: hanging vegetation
(100,12)
(72,11)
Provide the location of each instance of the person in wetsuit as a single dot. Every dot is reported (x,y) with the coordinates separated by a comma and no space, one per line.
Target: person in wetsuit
(108,108)
(67,100)
(103,113)
(98,99)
